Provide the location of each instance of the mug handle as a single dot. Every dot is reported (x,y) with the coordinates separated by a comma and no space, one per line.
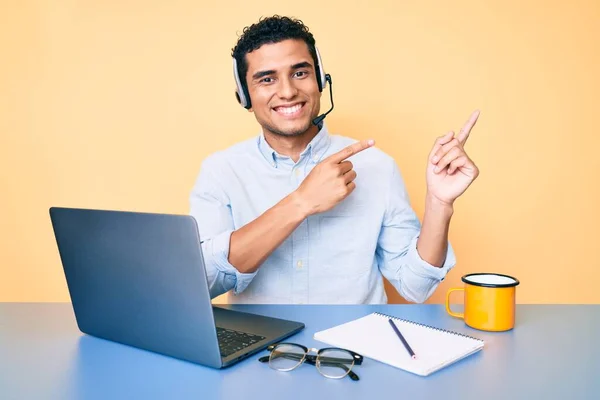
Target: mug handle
(454,314)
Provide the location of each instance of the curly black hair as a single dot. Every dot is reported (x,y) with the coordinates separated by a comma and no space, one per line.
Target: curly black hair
(273,29)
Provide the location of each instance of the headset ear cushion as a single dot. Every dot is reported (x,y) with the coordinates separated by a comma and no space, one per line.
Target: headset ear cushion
(239,100)
(247,103)
(321,72)
(240,94)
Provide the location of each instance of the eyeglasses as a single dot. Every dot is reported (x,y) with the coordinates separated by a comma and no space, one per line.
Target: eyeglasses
(331,362)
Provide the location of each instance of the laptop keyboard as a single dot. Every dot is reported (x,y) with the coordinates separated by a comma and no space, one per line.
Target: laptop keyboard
(231,341)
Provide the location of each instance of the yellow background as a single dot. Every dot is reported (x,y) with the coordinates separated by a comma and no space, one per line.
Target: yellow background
(114,104)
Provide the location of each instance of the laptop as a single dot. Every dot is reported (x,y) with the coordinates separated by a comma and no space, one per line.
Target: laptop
(139,279)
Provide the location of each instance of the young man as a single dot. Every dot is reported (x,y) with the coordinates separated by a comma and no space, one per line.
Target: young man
(297,215)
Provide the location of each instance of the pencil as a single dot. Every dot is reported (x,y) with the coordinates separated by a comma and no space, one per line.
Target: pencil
(404,342)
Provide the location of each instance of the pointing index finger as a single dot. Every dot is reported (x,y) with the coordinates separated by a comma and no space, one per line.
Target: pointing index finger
(464,133)
(350,151)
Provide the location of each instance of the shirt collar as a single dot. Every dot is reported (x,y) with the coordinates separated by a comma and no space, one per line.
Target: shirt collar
(315,149)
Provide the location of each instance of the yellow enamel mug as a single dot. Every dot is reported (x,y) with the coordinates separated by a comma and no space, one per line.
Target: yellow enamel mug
(489,301)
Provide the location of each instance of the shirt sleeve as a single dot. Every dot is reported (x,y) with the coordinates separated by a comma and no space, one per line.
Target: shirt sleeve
(210,206)
(397,256)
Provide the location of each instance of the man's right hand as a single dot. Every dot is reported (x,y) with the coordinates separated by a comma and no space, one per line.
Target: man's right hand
(331,181)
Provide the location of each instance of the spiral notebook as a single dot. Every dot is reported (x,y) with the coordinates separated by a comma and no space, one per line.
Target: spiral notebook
(373,337)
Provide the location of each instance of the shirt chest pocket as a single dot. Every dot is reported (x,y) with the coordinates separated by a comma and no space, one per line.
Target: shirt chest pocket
(337,231)
(346,246)
(340,239)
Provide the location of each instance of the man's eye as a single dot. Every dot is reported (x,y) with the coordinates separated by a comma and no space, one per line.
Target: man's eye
(300,74)
(266,80)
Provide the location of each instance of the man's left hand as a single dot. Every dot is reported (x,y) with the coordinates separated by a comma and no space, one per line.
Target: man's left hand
(450,171)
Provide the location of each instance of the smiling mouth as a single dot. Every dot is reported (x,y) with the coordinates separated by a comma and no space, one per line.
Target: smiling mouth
(289,111)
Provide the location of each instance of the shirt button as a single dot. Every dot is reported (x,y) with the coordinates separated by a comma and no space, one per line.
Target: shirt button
(315,158)
(299,263)
(297,172)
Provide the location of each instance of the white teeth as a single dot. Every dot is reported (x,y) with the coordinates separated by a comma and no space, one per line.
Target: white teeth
(289,110)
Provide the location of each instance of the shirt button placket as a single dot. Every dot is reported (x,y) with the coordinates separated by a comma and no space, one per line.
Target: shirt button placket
(300,264)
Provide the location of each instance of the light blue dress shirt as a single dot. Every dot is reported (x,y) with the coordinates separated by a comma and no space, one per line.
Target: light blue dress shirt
(339,256)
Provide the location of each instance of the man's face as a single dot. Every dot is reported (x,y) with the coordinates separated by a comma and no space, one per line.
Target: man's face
(283,87)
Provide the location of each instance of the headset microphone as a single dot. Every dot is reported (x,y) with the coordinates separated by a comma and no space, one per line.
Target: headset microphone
(321,117)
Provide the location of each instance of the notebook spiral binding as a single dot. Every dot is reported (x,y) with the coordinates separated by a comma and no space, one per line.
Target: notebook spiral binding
(427,326)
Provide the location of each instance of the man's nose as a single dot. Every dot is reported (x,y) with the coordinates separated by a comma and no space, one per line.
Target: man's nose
(287,89)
